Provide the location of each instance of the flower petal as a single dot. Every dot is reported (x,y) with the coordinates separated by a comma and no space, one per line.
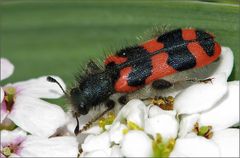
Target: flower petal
(12,137)
(225,63)
(7,68)
(35,146)
(195,147)
(98,142)
(155,110)
(98,153)
(116,132)
(187,124)
(226,113)
(135,111)
(116,151)
(40,88)
(37,116)
(136,144)
(2,94)
(228,142)
(164,124)
(201,96)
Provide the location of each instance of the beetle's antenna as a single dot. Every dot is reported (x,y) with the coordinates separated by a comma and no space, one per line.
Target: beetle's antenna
(76,130)
(53,80)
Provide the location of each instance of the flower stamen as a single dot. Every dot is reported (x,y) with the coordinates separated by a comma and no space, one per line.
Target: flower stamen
(162,149)
(165,103)
(103,121)
(9,97)
(204,131)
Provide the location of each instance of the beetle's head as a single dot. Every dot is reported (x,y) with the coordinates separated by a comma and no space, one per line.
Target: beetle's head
(79,102)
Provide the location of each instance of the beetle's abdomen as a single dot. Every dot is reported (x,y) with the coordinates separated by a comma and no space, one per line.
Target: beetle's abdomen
(171,52)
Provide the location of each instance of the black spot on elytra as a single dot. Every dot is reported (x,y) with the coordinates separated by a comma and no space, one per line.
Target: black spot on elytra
(180,58)
(140,61)
(206,41)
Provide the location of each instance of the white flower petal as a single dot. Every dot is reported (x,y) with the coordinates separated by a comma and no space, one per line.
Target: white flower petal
(35,146)
(136,144)
(226,113)
(164,124)
(135,111)
(40,88)
(14,155)
(155,110)
(7,68)
(201,96)
(187,124)
(98,153)
(228,142)
(116,151)
(37,116)
(93,130)
(195,147)
(116,132)
(225,63)
(98,142)
(12,137)
(2,94)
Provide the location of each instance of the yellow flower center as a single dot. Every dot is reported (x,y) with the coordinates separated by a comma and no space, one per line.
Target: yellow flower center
(6,151)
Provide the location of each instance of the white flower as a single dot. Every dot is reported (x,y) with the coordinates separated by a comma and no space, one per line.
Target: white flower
(213,124)
(130,133)
(18,144)
(7,68)
(21,104)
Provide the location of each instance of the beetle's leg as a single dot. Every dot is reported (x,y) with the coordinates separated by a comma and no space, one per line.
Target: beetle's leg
(109,104)
(200,80)
(161,84)
(123,99)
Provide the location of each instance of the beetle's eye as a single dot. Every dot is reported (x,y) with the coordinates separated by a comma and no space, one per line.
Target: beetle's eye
(81,105)
(123,54)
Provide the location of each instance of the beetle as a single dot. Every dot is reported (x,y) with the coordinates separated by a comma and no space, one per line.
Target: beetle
(131,68)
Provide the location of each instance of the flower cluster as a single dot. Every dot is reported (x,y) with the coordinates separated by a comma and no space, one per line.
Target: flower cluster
(28,123)
(198,125)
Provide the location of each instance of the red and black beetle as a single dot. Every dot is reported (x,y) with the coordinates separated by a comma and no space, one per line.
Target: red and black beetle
(133,67)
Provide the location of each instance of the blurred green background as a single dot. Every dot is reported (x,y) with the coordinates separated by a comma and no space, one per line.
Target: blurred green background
(43,37)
